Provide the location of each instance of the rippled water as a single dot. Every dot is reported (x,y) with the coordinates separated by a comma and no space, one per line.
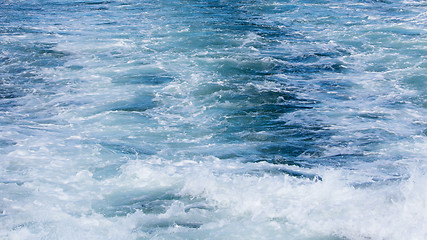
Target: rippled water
(188,119)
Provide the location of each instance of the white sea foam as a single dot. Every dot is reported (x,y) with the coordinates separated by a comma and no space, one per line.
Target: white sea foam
(213,121)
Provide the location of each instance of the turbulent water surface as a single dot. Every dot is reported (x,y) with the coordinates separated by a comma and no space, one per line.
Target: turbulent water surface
(190,119)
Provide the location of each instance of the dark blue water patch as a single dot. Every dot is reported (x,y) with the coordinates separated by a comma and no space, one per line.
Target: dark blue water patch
(94,2)
(279,132)
(275,138)
(139,103)
(9,92)
(23,59)
(417,82)
(330,66)
(373,115)
(273,141)
(108,23)
(33,50)
(17,182)
(16,12)
(258,114)
(128,148)
(7,143)
(143,79)
(132,106)
(282,161)
(285,149)
(375,135)
(78,6)
(234,125)
(308,65)
(206,89)
(269,31)
(244,67)
(262,118)
(312,54)
(187,41)
(46,49)
(249,96)
(75,67)
(276,109)
(375,67)
(348,157)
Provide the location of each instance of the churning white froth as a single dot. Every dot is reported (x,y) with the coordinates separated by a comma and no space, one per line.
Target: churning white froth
(213,120)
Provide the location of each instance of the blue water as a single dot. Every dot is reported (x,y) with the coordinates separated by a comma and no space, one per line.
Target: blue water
(188,119)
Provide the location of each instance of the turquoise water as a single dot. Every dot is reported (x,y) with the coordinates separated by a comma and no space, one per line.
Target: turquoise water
(296,119)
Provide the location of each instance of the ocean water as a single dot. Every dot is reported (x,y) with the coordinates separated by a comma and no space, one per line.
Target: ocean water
(191,119)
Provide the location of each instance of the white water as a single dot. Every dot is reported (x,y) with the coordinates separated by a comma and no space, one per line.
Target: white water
(161,121)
